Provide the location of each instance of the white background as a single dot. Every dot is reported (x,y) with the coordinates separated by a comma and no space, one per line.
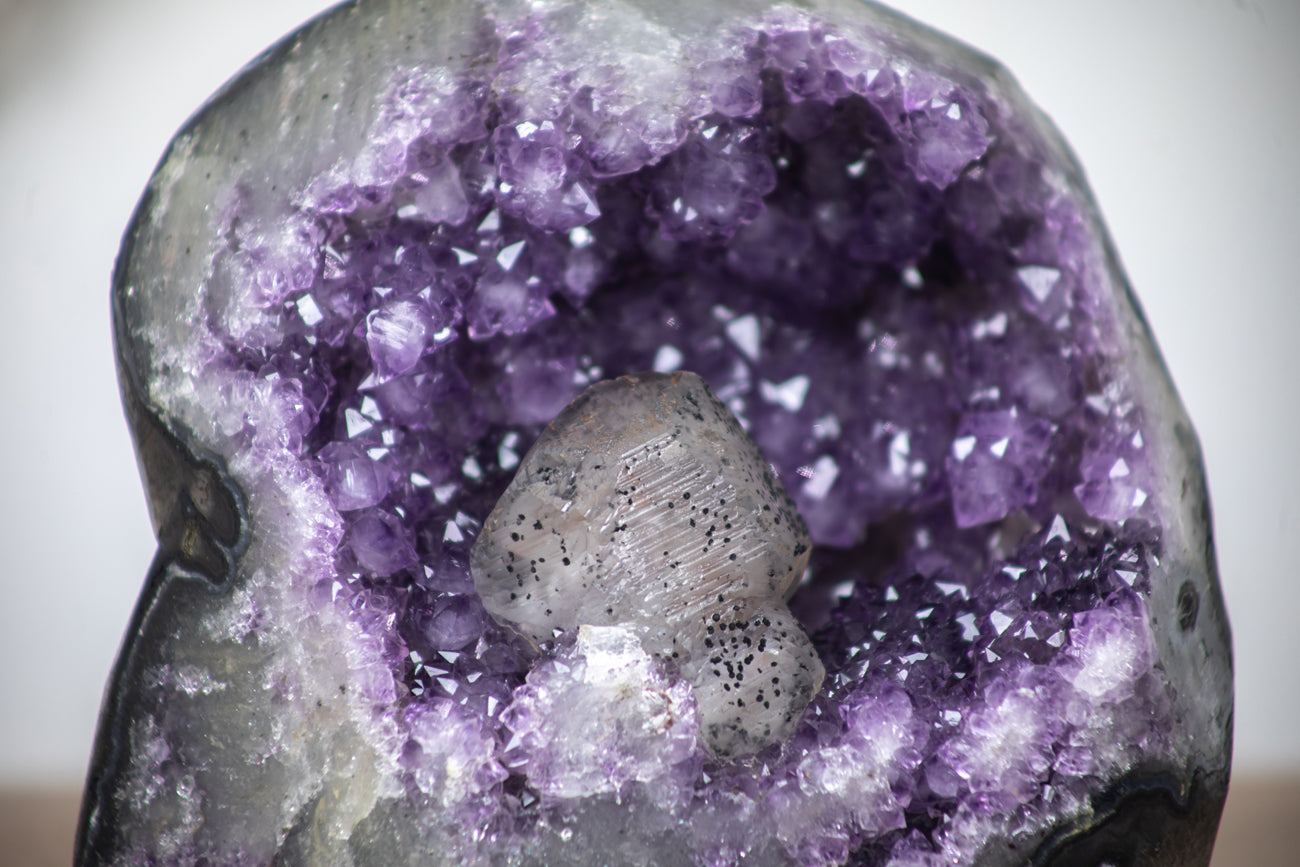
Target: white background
(1183,112)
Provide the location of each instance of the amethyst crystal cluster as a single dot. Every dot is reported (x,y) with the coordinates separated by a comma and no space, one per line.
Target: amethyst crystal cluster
(372,270)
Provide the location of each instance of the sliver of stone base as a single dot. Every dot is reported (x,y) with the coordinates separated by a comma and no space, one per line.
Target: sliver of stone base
(373,268)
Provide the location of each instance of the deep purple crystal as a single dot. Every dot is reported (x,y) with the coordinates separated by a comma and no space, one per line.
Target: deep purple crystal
(997,461)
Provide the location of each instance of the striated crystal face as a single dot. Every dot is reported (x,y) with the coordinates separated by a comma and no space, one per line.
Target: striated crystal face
(644,504)
(367,278)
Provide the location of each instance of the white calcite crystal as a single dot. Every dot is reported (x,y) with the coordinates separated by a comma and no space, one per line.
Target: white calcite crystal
(645,505)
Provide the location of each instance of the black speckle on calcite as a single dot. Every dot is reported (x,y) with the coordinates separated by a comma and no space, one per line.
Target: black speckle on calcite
(646,505)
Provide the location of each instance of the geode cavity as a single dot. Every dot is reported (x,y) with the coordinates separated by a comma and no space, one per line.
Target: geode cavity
(368,274)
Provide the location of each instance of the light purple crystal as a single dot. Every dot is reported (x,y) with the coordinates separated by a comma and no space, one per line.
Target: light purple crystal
(379,542)
(602,717)
(353,477)
(440,196)
(447,622)
(397,334)
(1117,479)
(503,304)
(449,755)
(1112,648)
(540,178)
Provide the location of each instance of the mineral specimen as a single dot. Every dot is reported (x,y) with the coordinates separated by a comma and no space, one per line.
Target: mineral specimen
(367,275)
(645,505)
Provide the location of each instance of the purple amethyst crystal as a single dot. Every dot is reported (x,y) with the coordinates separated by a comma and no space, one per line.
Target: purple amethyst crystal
(371,272)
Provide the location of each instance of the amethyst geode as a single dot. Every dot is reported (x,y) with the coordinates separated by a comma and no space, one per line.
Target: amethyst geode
(382,259)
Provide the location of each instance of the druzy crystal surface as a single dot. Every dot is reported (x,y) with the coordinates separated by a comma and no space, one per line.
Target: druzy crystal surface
(373,269)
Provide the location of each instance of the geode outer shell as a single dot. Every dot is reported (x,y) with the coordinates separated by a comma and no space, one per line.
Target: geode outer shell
(370,270)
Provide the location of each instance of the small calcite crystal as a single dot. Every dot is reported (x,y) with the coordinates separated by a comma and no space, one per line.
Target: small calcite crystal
(370,273)
(645,504)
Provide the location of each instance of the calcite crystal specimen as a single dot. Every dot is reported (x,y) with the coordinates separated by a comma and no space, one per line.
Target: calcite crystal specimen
(644,505)
(372,270)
